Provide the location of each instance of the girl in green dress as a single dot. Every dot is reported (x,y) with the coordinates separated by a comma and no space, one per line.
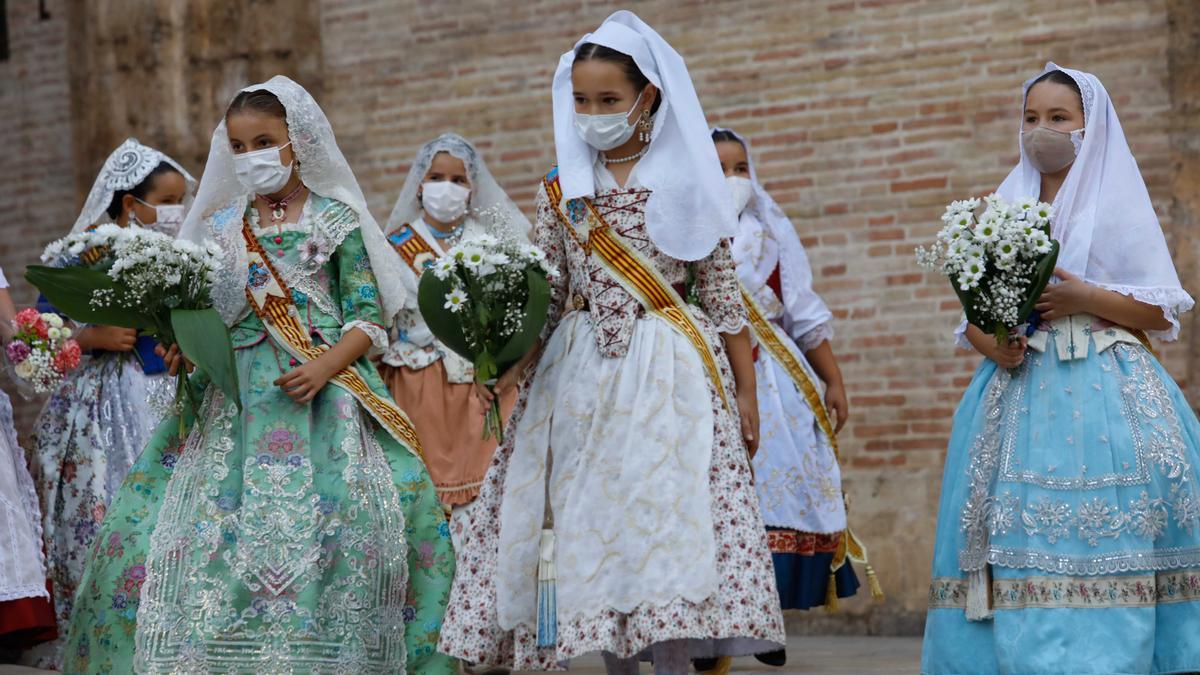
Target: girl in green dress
(300,533)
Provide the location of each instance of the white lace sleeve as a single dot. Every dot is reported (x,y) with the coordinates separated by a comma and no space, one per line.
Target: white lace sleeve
(377,333)
(813,338)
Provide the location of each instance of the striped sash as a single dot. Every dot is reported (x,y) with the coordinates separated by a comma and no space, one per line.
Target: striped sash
(413,248)
(770,338)
(271,300)
(639,278)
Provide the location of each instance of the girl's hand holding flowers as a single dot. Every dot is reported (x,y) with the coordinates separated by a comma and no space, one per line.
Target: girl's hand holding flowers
(1071,295)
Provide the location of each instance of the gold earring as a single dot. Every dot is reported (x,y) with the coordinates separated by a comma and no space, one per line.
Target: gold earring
(644,126)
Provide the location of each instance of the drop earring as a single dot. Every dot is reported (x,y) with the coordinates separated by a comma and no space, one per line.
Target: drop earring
(644,126)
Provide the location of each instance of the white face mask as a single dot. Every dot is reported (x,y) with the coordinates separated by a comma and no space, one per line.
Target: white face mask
(742,190)
(444,201)
(167,217)
(605,132)
(262,171)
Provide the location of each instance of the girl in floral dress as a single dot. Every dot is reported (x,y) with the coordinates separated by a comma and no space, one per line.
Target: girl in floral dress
(629,441)
(299,531)
(449,195)
(796,468)
(95,424)
(1068,538)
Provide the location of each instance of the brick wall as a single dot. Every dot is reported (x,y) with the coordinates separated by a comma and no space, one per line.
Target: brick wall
(37,187)
(867,116)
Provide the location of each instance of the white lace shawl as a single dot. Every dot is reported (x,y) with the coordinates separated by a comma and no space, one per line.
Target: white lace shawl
(221,201)
(1104,218)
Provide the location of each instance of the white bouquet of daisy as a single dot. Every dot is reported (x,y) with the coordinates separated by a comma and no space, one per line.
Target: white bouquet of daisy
(487,300)
(999,261)
(138,278)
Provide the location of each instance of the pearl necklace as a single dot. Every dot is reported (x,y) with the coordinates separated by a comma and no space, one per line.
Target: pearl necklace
(618,160)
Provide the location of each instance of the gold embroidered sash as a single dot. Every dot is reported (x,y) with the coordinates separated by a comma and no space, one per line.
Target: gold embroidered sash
(271,300)
(412,247)
(641,280)
(769,337)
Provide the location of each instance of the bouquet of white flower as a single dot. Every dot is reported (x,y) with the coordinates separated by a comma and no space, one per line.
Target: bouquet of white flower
(487,300)
(999,262)
(137,278)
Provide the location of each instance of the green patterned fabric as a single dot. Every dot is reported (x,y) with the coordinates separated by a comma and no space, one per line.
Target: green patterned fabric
(285,538)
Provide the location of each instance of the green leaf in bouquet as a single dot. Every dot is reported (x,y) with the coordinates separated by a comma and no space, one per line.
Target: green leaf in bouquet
(70,290)
(443,323)
(204,340)
(1041,278)
(485,367)
(968,300)
(536,307)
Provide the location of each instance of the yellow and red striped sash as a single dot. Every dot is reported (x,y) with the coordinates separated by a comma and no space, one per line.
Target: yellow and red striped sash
(639,277)
(766,333)
(412,247)
(768,336)
(272,301)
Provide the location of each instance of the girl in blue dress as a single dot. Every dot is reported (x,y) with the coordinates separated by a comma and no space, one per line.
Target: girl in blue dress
(1068,539)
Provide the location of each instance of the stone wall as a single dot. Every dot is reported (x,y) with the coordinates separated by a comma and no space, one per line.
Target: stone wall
(866,117)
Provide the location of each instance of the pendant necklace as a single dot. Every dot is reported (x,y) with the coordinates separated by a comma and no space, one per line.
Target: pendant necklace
(279,208)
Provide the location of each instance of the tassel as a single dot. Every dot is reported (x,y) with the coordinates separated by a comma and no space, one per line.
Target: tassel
(979,595)
(547,592)
(831,597)
(873,582)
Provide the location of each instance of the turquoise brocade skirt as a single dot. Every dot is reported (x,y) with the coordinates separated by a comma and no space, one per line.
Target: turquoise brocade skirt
(1069,521)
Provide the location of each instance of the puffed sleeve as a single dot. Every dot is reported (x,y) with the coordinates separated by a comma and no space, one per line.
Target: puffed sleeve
(718,290)
(548,236)
(358,290)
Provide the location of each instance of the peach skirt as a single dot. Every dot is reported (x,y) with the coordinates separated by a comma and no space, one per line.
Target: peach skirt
(449,422)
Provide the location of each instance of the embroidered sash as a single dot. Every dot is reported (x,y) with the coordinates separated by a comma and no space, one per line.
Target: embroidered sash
(271,300)
(770,337)
(413,248)
(639,278)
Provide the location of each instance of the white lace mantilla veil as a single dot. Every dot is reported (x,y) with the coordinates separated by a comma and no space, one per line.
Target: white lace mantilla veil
(1104,219)
(486,193)
(690,208)
(221,201)
(124,169)
(804,308)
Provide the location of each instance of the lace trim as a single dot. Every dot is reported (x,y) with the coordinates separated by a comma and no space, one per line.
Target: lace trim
(733,324)
(1157,560)
(307,284)
(25,482)
(379,336)
(22,592)
(813,338)
(1173,301)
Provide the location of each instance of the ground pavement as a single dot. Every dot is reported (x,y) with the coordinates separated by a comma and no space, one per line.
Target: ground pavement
(815,655)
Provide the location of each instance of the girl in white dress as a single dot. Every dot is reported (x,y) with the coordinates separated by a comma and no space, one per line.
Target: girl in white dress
(26,615)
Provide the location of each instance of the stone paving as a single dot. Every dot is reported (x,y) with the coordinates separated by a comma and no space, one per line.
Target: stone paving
(814,655)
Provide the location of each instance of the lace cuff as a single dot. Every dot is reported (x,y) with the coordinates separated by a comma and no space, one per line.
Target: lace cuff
(813,338)
(1173,302)
(379,336)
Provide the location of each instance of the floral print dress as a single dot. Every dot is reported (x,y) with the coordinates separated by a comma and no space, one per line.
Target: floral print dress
(658,534)
(283,537)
